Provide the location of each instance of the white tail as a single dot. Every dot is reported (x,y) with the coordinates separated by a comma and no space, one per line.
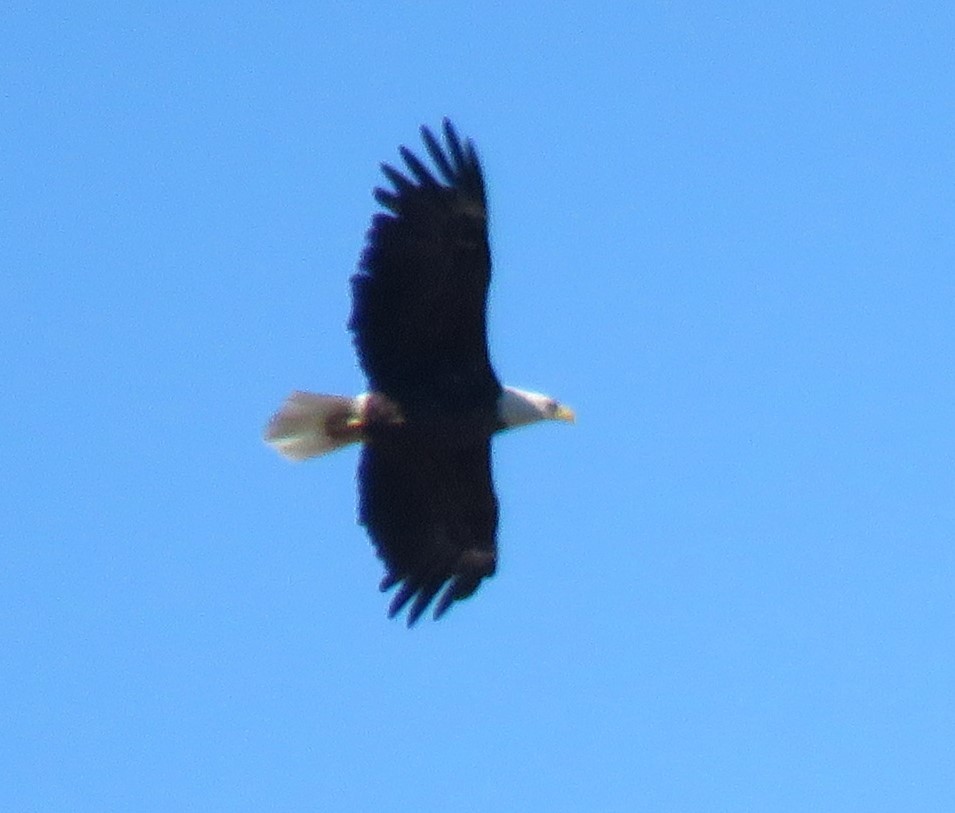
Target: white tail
(309,425)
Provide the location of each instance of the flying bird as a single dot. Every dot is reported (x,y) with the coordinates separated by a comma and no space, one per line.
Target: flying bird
(419,302)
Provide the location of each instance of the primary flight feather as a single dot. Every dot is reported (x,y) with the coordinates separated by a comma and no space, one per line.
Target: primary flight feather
(426,494)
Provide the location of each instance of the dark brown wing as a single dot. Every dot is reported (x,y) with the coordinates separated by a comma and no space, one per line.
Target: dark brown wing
(431,511)
(420,298)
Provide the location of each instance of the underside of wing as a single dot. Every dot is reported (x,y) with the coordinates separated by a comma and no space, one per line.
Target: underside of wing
(432,515)
(420,297)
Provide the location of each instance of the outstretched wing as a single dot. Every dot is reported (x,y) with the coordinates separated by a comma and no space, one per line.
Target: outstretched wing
(431,511)
(420,297)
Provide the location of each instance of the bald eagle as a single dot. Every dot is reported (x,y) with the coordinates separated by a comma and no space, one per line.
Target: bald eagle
(419,325)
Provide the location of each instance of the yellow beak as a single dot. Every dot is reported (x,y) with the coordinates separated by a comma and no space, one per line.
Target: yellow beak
(565,413)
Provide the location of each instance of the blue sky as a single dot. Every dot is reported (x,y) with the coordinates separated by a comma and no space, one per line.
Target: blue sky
(724,233)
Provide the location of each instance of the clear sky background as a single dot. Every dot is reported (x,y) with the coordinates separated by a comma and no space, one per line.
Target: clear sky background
(724,233)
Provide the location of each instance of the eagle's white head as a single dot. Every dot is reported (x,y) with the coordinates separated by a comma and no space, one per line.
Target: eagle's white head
(520,407)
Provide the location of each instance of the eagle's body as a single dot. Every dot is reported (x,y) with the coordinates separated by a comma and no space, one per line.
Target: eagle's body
(419,323)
